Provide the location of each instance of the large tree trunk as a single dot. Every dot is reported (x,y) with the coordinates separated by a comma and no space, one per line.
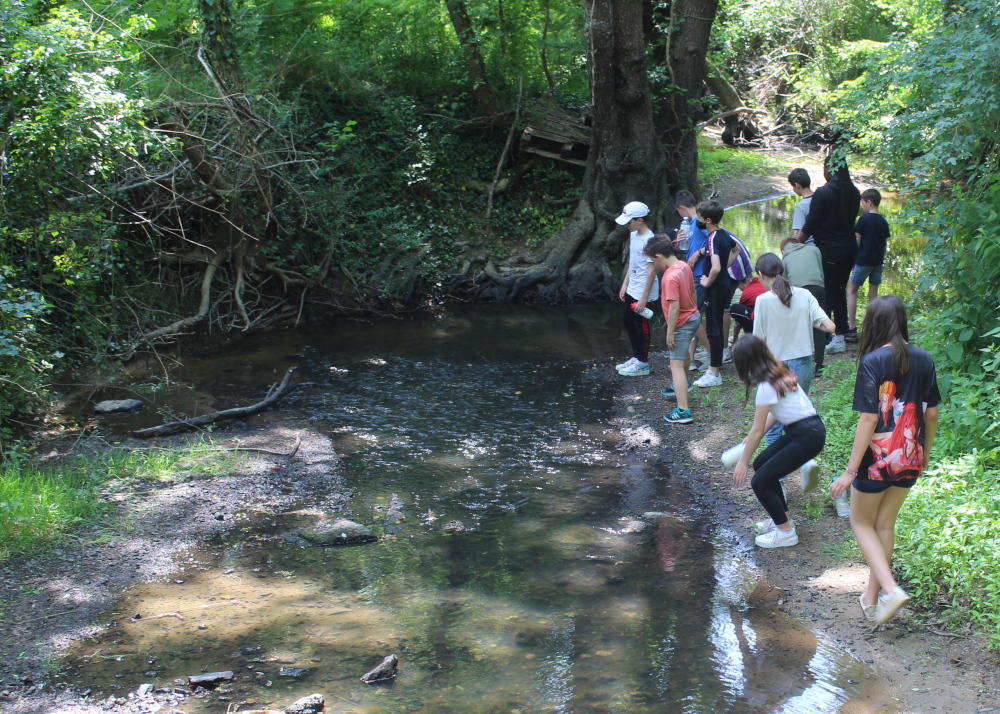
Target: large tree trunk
(626,163)
(474,65)
(684,47)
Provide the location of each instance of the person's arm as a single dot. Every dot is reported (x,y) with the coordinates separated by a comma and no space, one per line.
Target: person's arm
(672,314)
(930,429)
(818,209)
(760,419)
(857,237)
(862,440)
(650,279)
(733,255)
(707,280)
(695,257)
(826,325)
(621,293)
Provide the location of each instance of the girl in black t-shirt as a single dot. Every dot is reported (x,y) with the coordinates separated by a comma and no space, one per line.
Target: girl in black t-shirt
(896,394)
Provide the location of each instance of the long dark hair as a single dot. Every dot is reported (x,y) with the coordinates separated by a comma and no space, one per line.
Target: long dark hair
(755,363)
(770,265)
(885,323)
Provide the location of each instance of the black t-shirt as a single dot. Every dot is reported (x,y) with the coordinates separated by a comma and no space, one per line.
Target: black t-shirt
(832,214)
(720,243)
(896,451)
(874,232)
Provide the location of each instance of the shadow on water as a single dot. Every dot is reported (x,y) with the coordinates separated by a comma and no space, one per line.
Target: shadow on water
(584,581)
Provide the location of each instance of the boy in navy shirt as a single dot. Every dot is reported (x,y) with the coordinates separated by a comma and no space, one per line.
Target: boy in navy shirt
(722,251)
(872,233)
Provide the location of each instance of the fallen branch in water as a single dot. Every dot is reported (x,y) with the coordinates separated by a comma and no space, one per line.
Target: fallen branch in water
(274,395)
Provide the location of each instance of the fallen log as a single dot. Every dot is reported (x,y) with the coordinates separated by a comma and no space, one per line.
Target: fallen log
(274,395)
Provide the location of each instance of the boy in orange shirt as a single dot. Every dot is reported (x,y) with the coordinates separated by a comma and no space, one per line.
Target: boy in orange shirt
(680,309)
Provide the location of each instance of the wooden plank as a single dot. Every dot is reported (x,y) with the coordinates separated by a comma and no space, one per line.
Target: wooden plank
(557,157)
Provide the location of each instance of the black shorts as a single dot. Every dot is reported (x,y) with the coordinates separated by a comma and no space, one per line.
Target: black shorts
(867,485)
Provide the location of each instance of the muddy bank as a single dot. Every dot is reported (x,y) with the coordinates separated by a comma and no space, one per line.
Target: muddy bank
(54,598)
(924,671)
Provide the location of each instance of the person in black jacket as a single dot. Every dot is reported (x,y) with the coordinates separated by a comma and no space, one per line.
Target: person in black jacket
(832,216)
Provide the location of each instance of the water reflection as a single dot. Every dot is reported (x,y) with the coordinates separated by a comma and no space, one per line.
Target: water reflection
(585,582)
(762,225)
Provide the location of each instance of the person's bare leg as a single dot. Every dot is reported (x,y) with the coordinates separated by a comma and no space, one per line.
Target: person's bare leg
(679,371)
(872,292)
(873,520)
(700,336)
(727,324)
(852,304)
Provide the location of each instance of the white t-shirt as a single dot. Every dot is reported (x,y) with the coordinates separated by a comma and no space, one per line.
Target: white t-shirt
(792,407)
(637,266)
(788,331)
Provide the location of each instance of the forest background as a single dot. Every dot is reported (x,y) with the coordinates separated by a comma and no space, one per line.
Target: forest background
(177,169)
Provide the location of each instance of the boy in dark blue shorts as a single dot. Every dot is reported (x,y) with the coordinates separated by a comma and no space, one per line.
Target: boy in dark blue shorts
(872,233)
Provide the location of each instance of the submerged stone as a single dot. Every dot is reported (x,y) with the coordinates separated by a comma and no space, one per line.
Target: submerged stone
(292,671)
(339,532)
(210,678)
(457,526)
(114,406)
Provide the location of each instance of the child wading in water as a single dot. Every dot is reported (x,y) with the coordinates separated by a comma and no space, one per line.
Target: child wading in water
(779,399)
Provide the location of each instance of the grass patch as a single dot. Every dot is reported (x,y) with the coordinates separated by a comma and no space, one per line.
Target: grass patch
(717,162)
(40,504)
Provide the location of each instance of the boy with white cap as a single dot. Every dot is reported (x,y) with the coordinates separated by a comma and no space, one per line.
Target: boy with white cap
(639,289)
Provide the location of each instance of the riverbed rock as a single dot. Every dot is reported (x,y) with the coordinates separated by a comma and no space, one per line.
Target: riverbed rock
(292,671)
(115,406)
(456,526)
(210,679)
(307,705)
(338,532)
(385,671)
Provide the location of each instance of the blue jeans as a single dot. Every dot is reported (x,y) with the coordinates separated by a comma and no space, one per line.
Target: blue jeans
(803,369)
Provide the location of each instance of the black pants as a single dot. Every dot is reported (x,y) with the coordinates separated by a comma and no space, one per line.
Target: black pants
(801,441)
(838,263)
(741,316)
(715,307)
(819,337)
(637,327)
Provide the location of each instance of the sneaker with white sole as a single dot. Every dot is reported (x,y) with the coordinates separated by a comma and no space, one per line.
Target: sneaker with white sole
(670,391)
(810,475)
(777,539)
(767,525)
(701,355)
(708,380)
(726,356)
(836,347)
(627,363)
(888,605)
(843,506)
(868,610)
(639,369)
(679,416)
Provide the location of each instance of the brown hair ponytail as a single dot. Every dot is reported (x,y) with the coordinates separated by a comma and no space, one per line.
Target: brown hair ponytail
(770,265)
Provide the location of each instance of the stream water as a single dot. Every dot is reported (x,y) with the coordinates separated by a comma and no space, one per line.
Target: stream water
(585,580)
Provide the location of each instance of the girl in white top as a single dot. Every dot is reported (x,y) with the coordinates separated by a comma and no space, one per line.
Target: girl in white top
(779,399)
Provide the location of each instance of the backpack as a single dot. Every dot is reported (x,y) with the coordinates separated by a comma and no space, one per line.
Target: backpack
(742,267)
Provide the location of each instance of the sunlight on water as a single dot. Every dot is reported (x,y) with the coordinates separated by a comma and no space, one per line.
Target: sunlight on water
(560,595)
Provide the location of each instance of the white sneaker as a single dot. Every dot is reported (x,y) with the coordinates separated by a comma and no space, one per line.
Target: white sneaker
(843,506)
(709,380)
(836,347)
(628,363)
(701,355)
(767,525)
(637,369)
(777,539)
(726,357)
(810,476)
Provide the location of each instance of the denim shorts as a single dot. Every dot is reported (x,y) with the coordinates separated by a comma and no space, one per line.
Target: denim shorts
(872,272)
(683,336)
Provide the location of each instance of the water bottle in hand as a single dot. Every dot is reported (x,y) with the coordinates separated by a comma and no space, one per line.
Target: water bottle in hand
(684,231)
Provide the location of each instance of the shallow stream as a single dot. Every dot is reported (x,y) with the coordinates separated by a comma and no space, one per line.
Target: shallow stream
(584,581)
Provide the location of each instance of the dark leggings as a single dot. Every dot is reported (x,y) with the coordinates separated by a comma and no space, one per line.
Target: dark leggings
(838,263)
(819,337)
(716,301)
(801,441)
(637,327)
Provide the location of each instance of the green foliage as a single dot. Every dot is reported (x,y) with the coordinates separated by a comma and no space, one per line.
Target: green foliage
(720,162)
(948,536)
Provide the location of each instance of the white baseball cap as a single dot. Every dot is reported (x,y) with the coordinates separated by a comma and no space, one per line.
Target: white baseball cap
(635,209)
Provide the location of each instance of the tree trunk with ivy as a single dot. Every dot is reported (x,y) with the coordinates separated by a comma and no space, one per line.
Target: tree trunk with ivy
(626,163)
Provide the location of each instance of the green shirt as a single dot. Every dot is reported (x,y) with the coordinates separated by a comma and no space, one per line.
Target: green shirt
(803,265)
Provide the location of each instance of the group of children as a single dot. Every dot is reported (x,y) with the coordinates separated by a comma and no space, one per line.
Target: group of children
(701,267)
